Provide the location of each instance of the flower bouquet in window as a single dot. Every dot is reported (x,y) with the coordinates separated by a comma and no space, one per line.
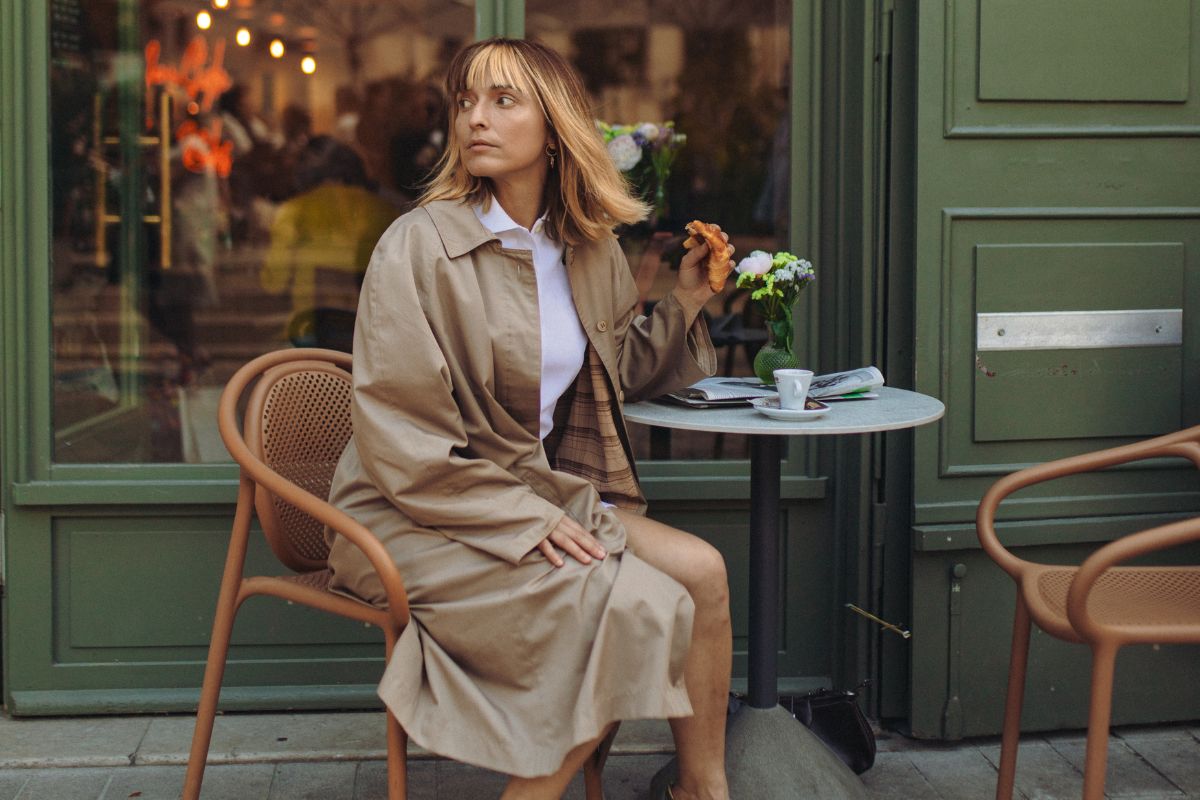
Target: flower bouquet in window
(775,282)
(644,153)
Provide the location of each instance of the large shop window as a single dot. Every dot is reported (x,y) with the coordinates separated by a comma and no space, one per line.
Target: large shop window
(221,172)
(222,169)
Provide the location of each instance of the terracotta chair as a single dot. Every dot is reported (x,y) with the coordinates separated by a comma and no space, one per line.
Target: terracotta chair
(1097,603)
(296,424)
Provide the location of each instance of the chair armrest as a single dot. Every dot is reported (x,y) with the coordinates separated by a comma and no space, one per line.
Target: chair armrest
(338,520)
(1183,444)
(256,471)
(1128,547)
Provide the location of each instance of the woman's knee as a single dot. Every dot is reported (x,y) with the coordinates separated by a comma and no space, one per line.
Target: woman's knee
(708,581)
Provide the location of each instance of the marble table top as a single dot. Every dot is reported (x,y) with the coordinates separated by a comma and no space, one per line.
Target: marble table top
(892,410)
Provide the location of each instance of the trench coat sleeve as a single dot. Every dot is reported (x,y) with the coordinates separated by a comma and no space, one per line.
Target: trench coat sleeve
(410,436)
(659,353)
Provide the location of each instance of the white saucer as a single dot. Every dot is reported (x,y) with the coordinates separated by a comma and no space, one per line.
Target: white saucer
(770,407)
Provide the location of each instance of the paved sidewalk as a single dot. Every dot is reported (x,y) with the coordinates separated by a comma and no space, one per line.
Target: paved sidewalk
(338,756)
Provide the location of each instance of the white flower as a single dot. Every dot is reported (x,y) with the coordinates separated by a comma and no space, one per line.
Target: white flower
(648,130)
(625,152)
(757,263)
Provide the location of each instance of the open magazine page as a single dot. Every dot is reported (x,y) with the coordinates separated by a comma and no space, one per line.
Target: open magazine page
(725,389)
(855,383)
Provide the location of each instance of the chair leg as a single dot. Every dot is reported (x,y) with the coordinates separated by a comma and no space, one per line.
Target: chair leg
(397,767)
(1012,706)
(228,602)
(214,673)
(397,738)
(1104,659)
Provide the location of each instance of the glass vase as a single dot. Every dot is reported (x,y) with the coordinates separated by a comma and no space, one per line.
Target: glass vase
(773,355)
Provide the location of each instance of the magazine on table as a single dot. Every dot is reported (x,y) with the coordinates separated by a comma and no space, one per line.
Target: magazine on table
(722,391)
(855,384)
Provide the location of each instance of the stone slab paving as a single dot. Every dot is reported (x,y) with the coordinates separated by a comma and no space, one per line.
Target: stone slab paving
(350,736)
(961,773)
(339,757)
(1128,775)
(78,741)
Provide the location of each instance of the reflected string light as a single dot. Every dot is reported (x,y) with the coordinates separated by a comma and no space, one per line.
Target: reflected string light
(220,3)
(308,65)
(204,20)
(242,37)
(277,48)
(193,108)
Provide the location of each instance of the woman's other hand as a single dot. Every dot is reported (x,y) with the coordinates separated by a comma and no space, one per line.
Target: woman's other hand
(691,287)
(569,536)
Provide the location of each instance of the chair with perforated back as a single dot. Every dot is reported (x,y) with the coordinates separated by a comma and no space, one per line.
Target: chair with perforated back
(1099,603)
(296,425)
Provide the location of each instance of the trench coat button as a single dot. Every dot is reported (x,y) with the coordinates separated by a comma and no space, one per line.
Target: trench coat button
(620,396)
(602,326)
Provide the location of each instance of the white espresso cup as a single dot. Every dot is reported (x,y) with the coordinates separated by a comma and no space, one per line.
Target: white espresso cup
(792,385)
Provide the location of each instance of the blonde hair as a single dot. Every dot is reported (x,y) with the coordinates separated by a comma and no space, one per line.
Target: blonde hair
(586,196)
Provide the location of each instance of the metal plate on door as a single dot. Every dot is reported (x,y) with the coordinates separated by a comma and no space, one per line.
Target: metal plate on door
(1065,330)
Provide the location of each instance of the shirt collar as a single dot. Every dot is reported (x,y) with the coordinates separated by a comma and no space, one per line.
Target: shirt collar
(459,228)
(497,220)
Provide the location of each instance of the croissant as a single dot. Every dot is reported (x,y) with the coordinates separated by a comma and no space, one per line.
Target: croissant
(719,251)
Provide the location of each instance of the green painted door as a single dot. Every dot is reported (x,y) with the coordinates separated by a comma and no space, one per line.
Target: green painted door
(1057,253)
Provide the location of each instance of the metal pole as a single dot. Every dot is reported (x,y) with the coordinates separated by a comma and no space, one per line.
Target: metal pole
(765,454)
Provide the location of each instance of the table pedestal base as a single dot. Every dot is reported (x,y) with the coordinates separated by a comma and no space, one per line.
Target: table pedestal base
(771,756)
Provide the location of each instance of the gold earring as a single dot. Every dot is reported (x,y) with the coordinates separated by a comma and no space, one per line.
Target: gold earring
(551,151)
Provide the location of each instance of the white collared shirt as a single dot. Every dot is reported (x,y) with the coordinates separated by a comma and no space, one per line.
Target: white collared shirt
(564,343)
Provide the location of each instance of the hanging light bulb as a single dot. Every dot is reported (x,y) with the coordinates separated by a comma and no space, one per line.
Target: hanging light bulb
(220,3)
(204,20)
(277,48)
(242,37)
(308,65)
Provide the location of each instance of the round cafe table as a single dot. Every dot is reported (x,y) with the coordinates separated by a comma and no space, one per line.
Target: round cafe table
(768,754)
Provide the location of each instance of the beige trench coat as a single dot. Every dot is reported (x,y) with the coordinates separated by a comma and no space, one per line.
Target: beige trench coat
(509,662)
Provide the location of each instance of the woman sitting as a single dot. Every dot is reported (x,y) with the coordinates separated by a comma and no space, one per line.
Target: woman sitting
(497,338)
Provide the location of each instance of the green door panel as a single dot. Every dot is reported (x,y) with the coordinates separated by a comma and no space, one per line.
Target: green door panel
(1020,68)
(1009,408)
(1071,394)
(1084,50)
(1033,394)
(1057,166)
(1084,276)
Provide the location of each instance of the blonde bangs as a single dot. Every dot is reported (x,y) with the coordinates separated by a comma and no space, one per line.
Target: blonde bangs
(586,196)
(499,66)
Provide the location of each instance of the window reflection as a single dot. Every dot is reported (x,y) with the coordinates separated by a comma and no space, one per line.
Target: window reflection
(213,199)
(719,69)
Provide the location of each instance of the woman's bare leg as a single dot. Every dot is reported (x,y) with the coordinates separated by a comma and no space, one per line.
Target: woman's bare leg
(700,738)
(551,787)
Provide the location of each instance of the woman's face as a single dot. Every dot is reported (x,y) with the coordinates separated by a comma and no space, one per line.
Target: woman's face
(502,134)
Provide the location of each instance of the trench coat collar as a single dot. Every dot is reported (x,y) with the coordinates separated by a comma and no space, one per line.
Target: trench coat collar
(459,228)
